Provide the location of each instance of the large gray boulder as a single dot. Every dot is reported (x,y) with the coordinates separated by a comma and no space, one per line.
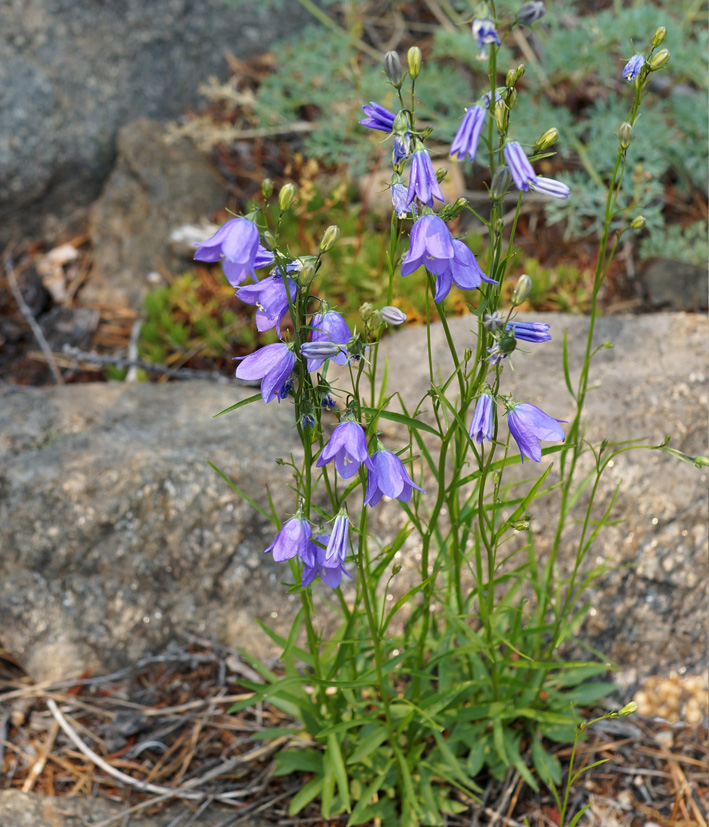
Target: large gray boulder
(72,72)
(116,535)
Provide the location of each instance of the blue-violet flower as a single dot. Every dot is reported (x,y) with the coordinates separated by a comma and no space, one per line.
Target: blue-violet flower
(273,364)
(548,186)
(430,244)
(238,241)
(378,117)
(387,475)
(347,446)
(519,166)
(330,575)
(339,542)
(528,425)
(481,425)
(329,326)
(535,332)
(423,183)
(294,538)
(468,134)
(485,33)
(633,67)
(271,300)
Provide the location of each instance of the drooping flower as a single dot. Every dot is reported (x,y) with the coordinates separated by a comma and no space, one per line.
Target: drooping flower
(320,351)
(423,183)
(294,538)
(392,315)
(519,166)
(330,575)
(468,134)
(273,364)
(402,147)
(530,12)
(378,117)
(548,186)
(398,200)
(633,67)
(387,475)
(485,33)
(482,422)
(535,332)
(528,425)
(347,446)
(339,542)
(271,300)
(431,244)
(238,242)
(329,326)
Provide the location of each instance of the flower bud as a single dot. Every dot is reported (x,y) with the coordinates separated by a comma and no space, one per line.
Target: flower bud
(625,134)
(329,238)
(393,69)
(548,139)
(501,116)
(269,238)
(392,315)
(467,354)
(657,61)
(415,60)
(511,78)
(628,709)
(450,211)
(530,13)
(501,181)
(701,462)
(365,311)
(521,69)
(522,289)
(307,271)
(441,174)
(320,350)
(401,122)
(267,188)
(638,222)
(511,98)
(285,196)
(659,36)
(499,225)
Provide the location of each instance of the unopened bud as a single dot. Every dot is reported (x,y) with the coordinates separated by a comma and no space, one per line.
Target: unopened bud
(393,68)
(511,78)
(450,211)
(269,238)
(396,568)
(701,462)
(511,98)
(638,222)
(499,225)
(530,13)
(521,69)
(392,315)
(329,238)
(501,116)
(285,196)
(548,139)
(522,289)
(365,311)
(401,122)
(415,60)
(625,134)
(628,709)
(267,188)
(501,181)
(659,36)
(441,174)
(521,525)
(467,354)
(657,61)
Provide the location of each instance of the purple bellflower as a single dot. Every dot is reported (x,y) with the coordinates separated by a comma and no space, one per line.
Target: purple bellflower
(378,117)
(463,271)
(535,332)
(294,538)
(485,33)
(481,425)
(347,446)
(633,67)
(528,425)
(271,300)
(330,327)
(339,542)
(468,134)
(402,147)
(238,241)
(524,176)
(273,364)
(330,575)
(548,186)
(423,183)
(431,244)
(398,200)
(387,475)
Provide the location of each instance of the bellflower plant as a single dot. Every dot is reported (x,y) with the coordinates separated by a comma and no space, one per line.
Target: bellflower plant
(445,652)
(633,67)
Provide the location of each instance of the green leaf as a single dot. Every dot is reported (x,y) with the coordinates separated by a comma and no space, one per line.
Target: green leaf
(298,760)
(590,692)
(575,820)
(304,796)
(402,419)
(547,765)
(363,812)
(241,404)
(368,744)
(334,754)
(477,756)
(567,374)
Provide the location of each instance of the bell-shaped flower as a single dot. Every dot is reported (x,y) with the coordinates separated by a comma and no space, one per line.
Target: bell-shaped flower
(271,300)
(482,423)
(534,332)
(398,201)
(468,134)
(485,33)
(331,575)
(393,315)
(463,270)
(430,244)
(378,117)
(347,447)
(423,183)
(273,364)
(329,327)
(633,67)
(294,538)
(338,544)
(529,426)
(238,242)
(518,164)
(387,475)
(548,186)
